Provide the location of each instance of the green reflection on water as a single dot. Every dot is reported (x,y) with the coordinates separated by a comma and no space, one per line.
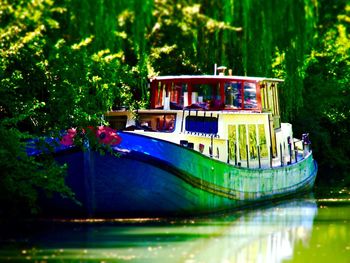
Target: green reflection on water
(303,230)
(330,237)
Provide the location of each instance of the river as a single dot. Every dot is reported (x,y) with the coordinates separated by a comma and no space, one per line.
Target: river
(315,228)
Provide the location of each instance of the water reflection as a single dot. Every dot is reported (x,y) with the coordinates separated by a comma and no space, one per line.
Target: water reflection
(261,235)
(265,235)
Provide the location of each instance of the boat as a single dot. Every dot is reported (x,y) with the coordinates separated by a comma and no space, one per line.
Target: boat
(206,143)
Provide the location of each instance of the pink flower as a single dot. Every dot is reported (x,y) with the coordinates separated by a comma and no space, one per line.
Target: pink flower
(68,138)
(107,135)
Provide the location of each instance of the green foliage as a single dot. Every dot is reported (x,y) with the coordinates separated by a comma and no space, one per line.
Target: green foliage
(24,86)
(205,35)
(59,71)
(23,176)
(327,93)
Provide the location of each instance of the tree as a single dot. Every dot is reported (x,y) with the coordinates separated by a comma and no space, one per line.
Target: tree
(59,70)
(326,111)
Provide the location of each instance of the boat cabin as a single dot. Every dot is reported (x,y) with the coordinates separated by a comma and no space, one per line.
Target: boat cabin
(215,93)
(232,118)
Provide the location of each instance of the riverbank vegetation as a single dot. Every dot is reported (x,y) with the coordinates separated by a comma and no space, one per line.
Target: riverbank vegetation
(66,62)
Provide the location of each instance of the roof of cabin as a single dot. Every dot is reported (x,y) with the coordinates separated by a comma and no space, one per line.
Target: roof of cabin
(214,77)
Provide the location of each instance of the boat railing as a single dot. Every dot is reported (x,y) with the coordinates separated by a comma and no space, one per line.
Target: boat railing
(292,156)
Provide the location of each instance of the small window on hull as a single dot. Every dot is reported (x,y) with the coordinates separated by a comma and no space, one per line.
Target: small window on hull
(157,122)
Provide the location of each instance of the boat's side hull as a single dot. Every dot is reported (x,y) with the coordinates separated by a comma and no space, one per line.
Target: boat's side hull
(154,177)
(221,178)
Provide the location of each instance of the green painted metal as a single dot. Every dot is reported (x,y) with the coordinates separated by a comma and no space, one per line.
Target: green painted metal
(205,184)
(245,184)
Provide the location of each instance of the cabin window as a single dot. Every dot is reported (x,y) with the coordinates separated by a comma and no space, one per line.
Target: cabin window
(204,96)
(168,95)
(238,94)
(250,101)
(269,102)
(200,96)
(203,93)
(275,96)
(267,97)
(174,94)
(270,97)
(159,95)
(202,124)
(233,95)
(157,122)
(263,94)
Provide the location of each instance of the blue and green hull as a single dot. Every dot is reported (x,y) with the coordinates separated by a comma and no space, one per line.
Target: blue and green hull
(152,177)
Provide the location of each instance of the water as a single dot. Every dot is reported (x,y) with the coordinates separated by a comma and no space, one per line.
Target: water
(300,230)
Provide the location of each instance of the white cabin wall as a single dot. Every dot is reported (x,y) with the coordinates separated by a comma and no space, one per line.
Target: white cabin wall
(180,133)
(221,141)
(282,139)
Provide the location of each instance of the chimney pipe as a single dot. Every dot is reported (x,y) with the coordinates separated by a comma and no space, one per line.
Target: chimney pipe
(221,70)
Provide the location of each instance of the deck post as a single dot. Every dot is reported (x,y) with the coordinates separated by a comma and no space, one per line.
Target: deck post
(247,149)
(281,154)
(182,121)
(258,147)
(290,152)
(228,151)
(235,153)
(270,156)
